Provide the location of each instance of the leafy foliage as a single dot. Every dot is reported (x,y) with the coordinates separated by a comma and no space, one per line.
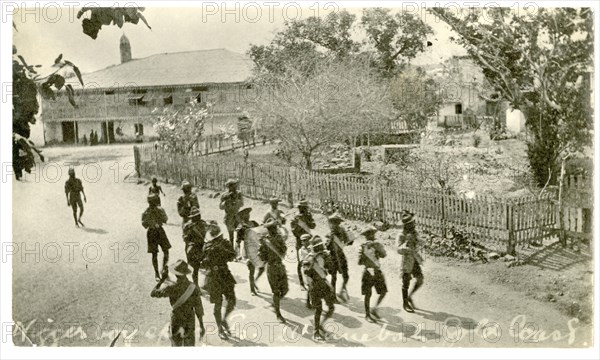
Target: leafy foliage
(392,39)
(539,62)
(181,129)
(109,16)
(415,97)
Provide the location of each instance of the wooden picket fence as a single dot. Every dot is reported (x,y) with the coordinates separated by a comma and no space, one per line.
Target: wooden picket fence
(503,225)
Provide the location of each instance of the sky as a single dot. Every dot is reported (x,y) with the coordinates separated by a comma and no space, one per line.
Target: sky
(45,32)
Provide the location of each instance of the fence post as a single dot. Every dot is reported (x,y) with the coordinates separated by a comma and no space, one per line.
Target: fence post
(290,191)
(443,220)
(381,203)
(136,157)
(510,246)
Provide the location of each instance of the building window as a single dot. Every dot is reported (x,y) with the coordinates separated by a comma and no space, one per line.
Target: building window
(139,129)
(458,109)
(168,99)
(135,99)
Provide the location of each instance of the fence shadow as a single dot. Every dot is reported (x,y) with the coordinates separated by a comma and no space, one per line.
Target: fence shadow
(555,257)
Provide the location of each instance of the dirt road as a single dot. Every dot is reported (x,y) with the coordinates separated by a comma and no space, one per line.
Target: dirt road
(82,286)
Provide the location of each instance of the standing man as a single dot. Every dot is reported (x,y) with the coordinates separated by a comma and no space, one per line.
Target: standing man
(73,187)
(186,202)
(305,254)
(156,189)
(368,256)
(320,288)
(153,219)
(302,224)
(411,260)
(219,280)
(244,225)
(272,250)
(194,232)
(185,302)
(275,213)
(337,240)
(231,203)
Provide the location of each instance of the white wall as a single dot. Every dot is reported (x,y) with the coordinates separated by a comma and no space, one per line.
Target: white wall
(37,132)
(515,120)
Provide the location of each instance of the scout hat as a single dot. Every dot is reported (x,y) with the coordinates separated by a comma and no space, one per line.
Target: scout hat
(186,185)
(214,232)
(274,200)
(317,243)
(270,223)
(194,212)
(368,230)
(245,209)
(335,218)
(180,268)
(407,217)
(303,203)
(231,182)
(305,237)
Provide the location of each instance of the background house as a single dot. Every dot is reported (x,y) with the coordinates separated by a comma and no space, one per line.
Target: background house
(118,102)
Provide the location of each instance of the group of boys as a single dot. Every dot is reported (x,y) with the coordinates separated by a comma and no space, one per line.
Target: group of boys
(319,261)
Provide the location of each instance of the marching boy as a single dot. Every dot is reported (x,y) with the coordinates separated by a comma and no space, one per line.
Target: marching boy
(153,219)
(369,254)
(411,260)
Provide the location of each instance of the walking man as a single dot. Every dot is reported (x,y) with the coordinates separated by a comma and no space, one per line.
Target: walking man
(244,225)
(411,260)
(186,202)
(337,240)
(220,283)
(73,188)
(185,302)
(156,189)
(272,250)
(369,254)
(153,219)
(302,224)
(194,232)
(231,203)
(320,289)
(304,254)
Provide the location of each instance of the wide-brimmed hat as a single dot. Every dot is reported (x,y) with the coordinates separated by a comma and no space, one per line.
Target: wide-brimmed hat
(194,212)
(214,231)
(231,182)
(368,230)
(180,268)
(270,223)
(185,185)
(245,209)
(335,218)
(274,200)
(305,237)
(407,217)
(303,203)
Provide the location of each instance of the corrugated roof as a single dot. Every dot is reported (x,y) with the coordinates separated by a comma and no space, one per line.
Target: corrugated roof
(182,68)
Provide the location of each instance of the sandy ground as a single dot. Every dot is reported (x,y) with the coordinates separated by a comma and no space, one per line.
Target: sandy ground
(81,286)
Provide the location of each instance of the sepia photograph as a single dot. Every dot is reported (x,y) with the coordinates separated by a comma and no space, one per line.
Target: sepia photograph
(397,176)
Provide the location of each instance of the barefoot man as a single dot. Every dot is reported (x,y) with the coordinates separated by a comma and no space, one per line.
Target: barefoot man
(73,187)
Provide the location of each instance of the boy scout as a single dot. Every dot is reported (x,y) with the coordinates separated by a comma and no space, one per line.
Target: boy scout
(320,288)
(244,224)
(304,254)
(152,219)
(73,188)
(186,202)
(156,189)
(272,250)
(194,232)
(231,203)
(219,280)
(411,260)
(185,302)
(302,223)
(337,240)
(369,254)
(274,213)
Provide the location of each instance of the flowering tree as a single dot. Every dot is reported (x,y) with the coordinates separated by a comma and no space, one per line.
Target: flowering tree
(181,129)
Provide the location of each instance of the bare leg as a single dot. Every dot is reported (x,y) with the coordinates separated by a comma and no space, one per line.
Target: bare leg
(155,265)
(165,260)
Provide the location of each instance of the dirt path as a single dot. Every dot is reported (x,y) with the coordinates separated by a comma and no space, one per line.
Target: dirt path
(81,286)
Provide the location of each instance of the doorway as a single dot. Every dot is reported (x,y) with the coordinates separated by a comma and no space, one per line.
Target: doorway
(69,131)
(108,132)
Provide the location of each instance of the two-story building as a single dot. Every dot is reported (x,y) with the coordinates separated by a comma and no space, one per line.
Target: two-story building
(121,102)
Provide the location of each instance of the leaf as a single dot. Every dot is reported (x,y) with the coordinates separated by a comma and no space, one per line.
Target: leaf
(15,27)
(71,95)
(58,59)
(76,71)
(144,20)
